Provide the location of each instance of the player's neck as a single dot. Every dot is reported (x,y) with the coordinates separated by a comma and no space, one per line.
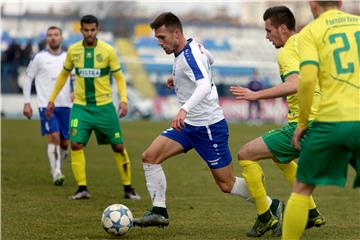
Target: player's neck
(182,44)
(55,51)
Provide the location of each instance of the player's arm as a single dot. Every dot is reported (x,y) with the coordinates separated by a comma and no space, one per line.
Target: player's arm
(121,86)
(282,90)
(27,110)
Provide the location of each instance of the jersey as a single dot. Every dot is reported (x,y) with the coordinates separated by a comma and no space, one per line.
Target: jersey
(92,71)
(288,60)
(190,65)
(332,43)
(44,68)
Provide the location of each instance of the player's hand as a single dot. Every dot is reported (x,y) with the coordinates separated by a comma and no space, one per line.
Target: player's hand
(123,109)
(27,111)
(178,121)
(170,82)
(49,110)
(298,134)
(242,93)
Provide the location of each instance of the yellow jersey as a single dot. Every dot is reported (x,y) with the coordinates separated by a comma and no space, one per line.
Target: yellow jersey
(92,69)
(288,60)
(332,43)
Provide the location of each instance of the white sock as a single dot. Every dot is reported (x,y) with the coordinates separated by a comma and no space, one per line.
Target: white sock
(240,189)
(63,155)
(54,157)
(156,184)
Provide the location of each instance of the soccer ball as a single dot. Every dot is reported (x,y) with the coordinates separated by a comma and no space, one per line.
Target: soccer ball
(117,219)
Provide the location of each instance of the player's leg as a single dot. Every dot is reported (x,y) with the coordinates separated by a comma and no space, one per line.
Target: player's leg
(63,116)
(50,128)
(80,130)
(124,167)
(248,156)
(170,143)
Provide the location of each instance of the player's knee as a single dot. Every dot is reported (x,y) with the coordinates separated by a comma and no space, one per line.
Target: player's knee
(244,153)
(147,157)
(76,146)
(225,187)
(119,148)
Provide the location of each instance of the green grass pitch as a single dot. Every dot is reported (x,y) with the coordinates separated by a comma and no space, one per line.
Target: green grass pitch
(32,208)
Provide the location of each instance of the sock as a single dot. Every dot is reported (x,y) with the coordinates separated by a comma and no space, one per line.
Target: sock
(240,189)
(78,166)
(295,217)
(63,154)
(123,163)
(289,171)
(54,156)
(156,184)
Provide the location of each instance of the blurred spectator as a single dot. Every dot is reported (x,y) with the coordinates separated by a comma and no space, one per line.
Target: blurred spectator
(9,68)
(254,106)
(26,53)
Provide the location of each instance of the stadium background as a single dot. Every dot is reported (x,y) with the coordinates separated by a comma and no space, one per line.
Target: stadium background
(232,31)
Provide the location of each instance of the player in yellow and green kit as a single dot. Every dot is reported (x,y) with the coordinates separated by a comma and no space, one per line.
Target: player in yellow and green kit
(93,108)
(329,50)
(276,144)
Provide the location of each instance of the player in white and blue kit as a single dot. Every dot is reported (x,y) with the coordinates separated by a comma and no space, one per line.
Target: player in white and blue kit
(44,68)
(199,124)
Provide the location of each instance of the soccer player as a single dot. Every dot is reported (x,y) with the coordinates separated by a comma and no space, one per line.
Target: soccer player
(199,123)
(329,50)
(276,144)
(44,67)
(93,108)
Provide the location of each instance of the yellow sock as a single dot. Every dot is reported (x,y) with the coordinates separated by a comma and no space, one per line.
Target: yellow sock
(123,163)
(295,217)
(254,178)
(78,166)
(289,171)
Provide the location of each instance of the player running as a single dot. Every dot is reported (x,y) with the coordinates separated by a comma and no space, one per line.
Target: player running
(329,50)
(276,144)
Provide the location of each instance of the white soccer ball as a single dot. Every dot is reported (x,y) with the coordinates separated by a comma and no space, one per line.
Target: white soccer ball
(117,219)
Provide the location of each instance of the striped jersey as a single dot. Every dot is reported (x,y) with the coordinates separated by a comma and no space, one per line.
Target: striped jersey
(190,65)
(92,70)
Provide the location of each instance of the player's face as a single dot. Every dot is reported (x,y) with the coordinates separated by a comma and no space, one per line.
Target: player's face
(273,34)
(168,40)
(89,31)
(54,38)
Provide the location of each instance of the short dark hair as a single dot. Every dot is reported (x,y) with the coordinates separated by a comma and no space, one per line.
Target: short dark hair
(170,20)
(89,19)
(280,15)
(54,28)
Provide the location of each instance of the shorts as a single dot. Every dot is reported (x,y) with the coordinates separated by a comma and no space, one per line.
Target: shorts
(102,119)
(210,142)
(327,152)
(279,142)
(58,122)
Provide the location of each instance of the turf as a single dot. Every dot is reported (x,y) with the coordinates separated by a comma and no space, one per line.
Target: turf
(32,208)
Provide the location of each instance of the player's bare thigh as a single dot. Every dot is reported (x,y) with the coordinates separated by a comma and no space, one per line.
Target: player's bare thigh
(255,150)
(161,149)
(224,178)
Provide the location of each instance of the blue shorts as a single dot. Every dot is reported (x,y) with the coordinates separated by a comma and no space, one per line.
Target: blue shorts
(211,142)
(58,122)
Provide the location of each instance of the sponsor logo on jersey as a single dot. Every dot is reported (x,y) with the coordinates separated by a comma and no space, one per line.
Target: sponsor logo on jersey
(73,131)
(88,55)
(89,72)
(117,135)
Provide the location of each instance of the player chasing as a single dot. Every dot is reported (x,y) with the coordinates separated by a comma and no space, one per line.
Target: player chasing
(329,51)
(93,109)
(44,67)
(276,144)
(199,124)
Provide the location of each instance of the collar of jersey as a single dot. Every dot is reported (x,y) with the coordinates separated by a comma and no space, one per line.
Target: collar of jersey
(330,11)
(54,54)
(186,46)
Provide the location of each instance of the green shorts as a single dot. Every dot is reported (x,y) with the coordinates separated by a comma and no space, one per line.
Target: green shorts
(102,119)
(279,142)
(327,151)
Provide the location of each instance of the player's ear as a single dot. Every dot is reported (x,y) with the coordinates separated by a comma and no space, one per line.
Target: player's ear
(283,28)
